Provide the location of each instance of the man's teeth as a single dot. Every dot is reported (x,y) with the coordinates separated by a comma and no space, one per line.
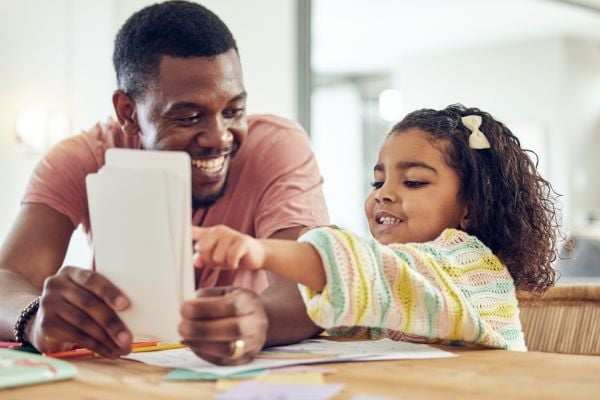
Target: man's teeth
(388,220)
(211,166)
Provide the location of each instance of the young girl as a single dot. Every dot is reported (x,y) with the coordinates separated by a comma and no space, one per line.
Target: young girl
(461,219)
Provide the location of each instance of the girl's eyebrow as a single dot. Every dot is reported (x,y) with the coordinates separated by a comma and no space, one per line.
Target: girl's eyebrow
(404,165)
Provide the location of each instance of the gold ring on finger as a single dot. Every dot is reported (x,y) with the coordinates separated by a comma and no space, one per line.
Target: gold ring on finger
(239,347)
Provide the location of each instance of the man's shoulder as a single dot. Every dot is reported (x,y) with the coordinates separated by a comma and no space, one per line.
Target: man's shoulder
(261,124)
(276,134)
(95,140)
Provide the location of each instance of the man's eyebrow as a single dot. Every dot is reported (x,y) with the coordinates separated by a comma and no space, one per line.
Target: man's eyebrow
(404,165)
(241,96)
(187,105)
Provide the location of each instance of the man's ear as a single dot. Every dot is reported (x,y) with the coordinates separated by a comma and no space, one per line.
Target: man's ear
(126,114)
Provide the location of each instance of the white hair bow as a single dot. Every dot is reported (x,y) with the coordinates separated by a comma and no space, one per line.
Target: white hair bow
(477,139)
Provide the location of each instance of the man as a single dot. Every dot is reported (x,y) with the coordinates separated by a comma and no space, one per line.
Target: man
(180,88)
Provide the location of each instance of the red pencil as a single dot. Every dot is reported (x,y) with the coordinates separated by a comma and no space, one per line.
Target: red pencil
(10,345)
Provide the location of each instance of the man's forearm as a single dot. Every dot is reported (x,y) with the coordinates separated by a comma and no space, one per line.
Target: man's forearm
(17,293)
(288,321)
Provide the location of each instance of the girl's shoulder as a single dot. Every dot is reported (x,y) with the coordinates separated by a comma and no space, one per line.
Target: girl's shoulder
(454,244)
(455,248)
(457,238)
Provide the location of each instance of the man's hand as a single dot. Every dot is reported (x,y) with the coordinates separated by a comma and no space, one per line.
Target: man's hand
(223,247)
(217,318)
(78,306)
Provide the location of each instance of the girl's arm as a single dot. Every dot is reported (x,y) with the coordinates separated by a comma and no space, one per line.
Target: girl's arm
(453,291)
(223,247)
(452,288)
(298,262)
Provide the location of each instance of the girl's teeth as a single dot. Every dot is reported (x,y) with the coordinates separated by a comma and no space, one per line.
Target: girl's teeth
(388,220)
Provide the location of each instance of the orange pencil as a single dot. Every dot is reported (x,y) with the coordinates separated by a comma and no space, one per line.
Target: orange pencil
(71,353)
(145,344)
(83,352)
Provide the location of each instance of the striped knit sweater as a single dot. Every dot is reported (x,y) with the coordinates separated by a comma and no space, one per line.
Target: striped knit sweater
(450,290)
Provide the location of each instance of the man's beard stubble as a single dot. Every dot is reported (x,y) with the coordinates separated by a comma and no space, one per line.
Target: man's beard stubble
(208,201)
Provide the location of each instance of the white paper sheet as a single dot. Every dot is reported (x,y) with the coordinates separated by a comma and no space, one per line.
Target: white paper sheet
(307,352)
(177,167)
(140,206)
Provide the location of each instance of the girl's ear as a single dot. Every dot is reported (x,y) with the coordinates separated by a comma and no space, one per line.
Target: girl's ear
(125,109)
(464,220)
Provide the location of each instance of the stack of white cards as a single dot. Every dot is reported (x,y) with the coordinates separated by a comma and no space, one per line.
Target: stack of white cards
(140,212)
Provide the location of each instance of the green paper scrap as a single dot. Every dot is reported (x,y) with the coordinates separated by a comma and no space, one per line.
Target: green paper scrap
(182,374)
(23,368)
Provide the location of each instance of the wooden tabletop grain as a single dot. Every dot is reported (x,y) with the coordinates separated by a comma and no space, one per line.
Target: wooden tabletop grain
(475,374)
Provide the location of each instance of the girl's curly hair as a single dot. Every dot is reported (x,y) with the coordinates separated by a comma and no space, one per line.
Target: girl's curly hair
(512,209)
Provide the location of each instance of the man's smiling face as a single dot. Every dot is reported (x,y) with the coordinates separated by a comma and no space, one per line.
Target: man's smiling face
(197,105)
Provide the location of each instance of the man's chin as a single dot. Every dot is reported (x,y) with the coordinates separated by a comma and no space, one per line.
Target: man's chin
(205,201)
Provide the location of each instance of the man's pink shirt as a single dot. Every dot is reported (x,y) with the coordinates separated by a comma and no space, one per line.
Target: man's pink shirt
(274,183)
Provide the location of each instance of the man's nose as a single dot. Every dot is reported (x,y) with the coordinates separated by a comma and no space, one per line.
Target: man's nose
(214,134)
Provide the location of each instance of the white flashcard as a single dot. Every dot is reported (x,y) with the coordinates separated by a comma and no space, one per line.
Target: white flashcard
(177,166)
(140,212)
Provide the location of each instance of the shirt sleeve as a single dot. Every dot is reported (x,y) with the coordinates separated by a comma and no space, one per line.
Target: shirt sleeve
(291,190)
(456,292)
(58,180)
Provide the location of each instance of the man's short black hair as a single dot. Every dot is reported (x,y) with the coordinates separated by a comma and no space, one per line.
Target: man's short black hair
(173,28)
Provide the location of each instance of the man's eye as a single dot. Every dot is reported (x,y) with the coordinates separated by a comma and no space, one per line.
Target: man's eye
(376,184)
(414,184)
(234,112)
(189,119)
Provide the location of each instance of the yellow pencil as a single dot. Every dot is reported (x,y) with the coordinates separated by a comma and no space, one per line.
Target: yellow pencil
(166,346)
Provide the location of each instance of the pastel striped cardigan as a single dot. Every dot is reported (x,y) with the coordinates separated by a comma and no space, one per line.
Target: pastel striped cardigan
(452,289)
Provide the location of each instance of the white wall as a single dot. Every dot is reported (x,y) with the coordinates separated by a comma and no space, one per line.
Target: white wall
(579,115)
(32,76)
(340,165)
(265,31)
(553,84)
(547,91)
(56,56)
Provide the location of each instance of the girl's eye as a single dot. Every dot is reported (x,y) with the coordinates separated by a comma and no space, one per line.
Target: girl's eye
(414,184)
(376,184)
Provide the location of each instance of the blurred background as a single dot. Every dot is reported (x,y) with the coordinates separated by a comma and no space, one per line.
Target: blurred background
(347,70)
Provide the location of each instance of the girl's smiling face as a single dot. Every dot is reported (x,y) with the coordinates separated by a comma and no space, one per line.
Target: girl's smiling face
(415,192)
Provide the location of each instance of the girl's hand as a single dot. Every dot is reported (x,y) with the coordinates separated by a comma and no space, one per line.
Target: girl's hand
(222,247)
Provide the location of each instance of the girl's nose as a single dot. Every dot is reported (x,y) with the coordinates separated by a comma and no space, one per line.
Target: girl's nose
(385,194)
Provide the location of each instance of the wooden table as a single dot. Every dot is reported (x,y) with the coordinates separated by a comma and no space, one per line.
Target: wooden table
(475,374)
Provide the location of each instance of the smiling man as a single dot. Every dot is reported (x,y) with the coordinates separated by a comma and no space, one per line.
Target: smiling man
(180,88)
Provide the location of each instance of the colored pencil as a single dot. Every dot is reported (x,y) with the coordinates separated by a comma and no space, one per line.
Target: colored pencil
(10,345)
(83,352)
(71,353)
(166,346)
